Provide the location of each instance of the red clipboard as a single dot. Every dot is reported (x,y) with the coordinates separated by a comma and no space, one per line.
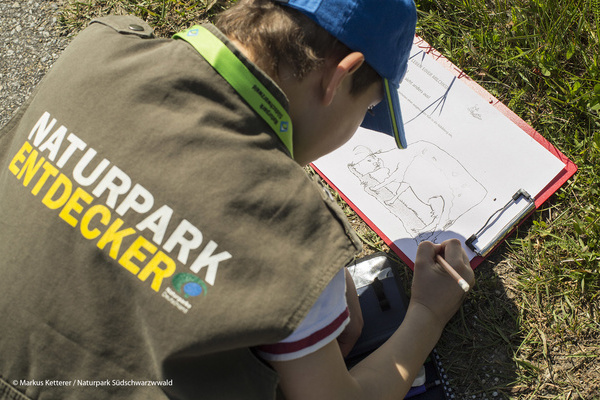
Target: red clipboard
(567,172)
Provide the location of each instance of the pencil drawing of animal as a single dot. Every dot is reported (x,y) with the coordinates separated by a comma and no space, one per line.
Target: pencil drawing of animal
(423,186)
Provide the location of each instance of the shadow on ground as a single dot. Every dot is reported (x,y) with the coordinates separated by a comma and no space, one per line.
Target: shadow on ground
(478,344)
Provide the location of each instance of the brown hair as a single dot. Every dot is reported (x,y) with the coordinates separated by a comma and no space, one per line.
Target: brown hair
(277,34)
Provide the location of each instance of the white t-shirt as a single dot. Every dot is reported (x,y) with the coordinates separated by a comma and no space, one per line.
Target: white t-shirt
(324,322)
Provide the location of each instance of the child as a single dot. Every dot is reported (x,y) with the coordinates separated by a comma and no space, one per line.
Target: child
(159,236)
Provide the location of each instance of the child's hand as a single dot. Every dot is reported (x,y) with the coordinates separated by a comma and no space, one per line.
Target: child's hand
(432,286)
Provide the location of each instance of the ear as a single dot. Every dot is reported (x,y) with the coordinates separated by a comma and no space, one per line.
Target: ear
(346,67)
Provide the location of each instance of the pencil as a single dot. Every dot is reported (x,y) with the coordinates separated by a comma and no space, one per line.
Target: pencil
(459,279)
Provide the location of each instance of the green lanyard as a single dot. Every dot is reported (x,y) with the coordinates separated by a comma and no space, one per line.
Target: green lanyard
(242,80)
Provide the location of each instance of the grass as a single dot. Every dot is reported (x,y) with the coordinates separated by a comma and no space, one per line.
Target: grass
(166,16)
(530,328)
(537,307)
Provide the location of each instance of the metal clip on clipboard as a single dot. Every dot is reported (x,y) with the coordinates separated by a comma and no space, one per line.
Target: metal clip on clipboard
(483,251)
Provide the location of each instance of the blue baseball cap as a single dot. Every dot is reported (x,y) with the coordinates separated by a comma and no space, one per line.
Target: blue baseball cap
(383,30)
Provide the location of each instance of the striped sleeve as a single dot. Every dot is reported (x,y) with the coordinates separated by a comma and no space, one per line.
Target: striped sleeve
(324,322)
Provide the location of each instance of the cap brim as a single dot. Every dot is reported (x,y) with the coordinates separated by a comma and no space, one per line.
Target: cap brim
(386,116)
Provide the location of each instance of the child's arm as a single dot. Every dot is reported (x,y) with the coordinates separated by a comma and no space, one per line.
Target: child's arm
(389,371)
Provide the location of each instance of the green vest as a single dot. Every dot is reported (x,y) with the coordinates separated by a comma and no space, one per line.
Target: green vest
(153,227)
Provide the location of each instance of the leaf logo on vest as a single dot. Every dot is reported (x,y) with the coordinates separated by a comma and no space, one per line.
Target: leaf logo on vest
(189,285)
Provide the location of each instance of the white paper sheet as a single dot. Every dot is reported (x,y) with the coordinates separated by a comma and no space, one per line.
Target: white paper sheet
(464,161)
